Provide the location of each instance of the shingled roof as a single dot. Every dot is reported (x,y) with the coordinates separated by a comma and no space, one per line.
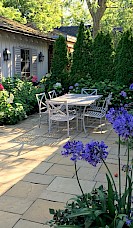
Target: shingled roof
(16,27)
(70,30)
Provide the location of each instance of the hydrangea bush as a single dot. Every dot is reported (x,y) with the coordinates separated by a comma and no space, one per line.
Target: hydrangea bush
(102,208)
(17,99)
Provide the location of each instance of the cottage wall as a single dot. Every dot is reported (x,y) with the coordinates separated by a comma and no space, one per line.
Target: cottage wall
(12,42)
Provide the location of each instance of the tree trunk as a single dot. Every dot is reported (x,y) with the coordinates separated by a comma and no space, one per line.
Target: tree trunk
(96,26)
(96,13)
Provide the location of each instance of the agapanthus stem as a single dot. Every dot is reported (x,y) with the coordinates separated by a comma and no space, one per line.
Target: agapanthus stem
(119,165)
(127,168)
(80,184)
(110,175)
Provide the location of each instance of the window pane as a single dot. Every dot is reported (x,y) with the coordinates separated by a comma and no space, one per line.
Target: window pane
(25,62)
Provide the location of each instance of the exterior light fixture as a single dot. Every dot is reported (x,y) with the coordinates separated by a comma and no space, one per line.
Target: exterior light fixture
(6,54)
(41,57)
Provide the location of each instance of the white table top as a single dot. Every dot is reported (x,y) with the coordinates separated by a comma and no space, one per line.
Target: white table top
(77,99)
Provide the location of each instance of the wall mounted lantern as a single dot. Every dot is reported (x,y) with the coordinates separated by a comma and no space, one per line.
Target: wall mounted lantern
(41,57)
(6,54)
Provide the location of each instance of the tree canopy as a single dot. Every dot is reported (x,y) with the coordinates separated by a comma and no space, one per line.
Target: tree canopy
(48,14)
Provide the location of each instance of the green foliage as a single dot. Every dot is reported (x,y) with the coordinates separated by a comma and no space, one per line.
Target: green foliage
(102,208)
(45,15)
(17,100)
(124,59)
(105,87)
(11,13)
(59,63)
(97,214)
(81,55)
(118,14)
(10,113)
(102,57)
(75,12)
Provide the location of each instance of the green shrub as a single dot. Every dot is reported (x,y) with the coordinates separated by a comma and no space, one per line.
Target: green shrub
(17,100)
(81,55)
(10,112)
(124,59)
(105,87)
(59,62)
(102,53)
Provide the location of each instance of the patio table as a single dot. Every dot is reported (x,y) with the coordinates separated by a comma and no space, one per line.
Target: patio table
(77,99)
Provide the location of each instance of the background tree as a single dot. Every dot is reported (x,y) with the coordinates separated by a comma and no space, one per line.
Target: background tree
(12,13)
(124,59)
(60,62)
(98,9)
(74,12)
(45,14)
(87,55)
(49,14)
(78,60)
(102,57)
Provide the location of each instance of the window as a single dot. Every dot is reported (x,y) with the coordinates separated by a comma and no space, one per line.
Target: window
(25,63)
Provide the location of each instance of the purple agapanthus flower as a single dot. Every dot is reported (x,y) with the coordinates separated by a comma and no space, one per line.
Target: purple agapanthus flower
(123,125)
(75,149)
(76,84)
(114,113)
(128,221)
(131,87)
(123,93)
(95,152)
(70,87)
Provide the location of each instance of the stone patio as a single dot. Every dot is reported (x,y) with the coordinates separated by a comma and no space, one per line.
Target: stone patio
(35,177)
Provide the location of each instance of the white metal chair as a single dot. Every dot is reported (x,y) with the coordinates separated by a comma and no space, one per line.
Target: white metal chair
(41,99)
(97,112)
(89,91)
(97,107)
(58,112)
(52,94)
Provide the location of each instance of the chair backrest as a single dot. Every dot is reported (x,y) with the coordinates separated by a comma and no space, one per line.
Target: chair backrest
(52,94)
(89,91)
(57,108)
(41,99)
(107,102)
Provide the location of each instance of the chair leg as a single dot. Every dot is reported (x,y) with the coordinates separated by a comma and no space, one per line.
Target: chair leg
(40,120)
(49,126)
(77,123)
(84,124)
(68,128)
(100,126)
(106,122)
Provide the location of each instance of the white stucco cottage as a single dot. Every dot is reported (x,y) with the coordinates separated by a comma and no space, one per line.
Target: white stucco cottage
(23,50)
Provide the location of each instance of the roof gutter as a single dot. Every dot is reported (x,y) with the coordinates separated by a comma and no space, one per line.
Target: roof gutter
(26,34)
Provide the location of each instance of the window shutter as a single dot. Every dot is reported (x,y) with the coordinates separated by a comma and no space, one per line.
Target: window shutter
(34,62)
(17,60)
(0,68)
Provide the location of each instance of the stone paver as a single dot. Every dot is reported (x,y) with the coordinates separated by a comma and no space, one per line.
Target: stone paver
(23,224)
(42,167)
(61,170)
(35,177)
(26,190)
(39,211)
(68,185)
(55,196)
(14,204)
(8,220)
(38,178)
